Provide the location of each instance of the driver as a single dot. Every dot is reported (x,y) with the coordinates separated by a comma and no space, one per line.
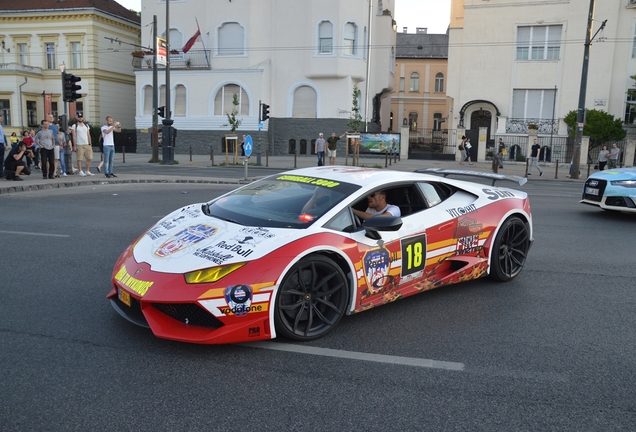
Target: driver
(377,205)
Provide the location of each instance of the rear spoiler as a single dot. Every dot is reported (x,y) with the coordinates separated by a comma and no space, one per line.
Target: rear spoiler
(485,175)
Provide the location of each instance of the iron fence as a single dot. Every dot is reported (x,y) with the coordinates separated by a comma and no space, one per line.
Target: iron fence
(432,144)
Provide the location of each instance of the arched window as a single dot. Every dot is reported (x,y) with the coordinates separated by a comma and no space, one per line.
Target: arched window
(415,82)
(180,102)
(412,121)
(305,103)
(147,100)
(439,83)
(349,43)
(325,35)
(223,101)
(162,96)
(176,41)
(231,39)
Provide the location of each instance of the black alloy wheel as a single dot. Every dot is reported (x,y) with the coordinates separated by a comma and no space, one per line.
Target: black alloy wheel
(510,249)
(312,298)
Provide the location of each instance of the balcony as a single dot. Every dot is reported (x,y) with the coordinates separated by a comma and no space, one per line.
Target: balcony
(16,67)
(193,59)
(521,125)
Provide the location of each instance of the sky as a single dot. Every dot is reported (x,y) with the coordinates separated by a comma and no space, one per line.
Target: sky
(432,14)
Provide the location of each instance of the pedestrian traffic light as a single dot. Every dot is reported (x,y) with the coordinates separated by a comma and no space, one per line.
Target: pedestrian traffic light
(264,112)
(70,88)
(161,111)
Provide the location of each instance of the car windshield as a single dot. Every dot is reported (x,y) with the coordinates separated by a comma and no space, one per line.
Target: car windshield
(284,201)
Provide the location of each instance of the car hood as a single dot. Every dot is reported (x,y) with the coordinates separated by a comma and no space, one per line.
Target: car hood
(188,240)
(615,174)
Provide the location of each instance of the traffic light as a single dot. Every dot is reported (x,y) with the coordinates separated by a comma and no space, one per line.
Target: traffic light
(264,112)
(161,111)
(70,88)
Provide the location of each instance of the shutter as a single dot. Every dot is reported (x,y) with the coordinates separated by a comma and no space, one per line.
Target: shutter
(305,101)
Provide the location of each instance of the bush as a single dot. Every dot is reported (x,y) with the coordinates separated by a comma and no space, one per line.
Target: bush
(520,158)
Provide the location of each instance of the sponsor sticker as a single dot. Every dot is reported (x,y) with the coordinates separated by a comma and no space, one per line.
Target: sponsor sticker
(185,238)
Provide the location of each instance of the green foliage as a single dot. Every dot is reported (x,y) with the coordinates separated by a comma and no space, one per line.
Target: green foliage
(520,158)
(600,126)
(355,122)
(233,121)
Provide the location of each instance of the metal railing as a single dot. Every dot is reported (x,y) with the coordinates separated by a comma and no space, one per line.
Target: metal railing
(193,59)
(522,125)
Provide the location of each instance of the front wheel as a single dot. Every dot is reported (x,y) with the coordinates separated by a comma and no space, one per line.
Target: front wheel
(312,299)
(510,249)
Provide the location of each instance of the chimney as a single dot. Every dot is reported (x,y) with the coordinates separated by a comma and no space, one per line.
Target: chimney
(421,30)
(404,30)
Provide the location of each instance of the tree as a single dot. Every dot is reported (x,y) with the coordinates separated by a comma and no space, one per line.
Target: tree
(355,122)
(600,126)
(234,122)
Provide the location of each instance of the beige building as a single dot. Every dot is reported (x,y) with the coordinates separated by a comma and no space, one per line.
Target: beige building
(89,37)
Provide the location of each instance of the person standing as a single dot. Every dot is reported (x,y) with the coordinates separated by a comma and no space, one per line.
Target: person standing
(319,148)
(46,141)
(83,145)
(59,154)
(243,146)
(613,156)
(332,146)
(4,146)
(501,150)
(602,157)
(535,152)
(462,150)
(467,146)
(109,144)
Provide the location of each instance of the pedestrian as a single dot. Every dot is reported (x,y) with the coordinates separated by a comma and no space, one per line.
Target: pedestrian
(501,152)
(14,139)
(61,137)
(100,142)
(83,145)
(32,158)
(46,141)
(4,146)
(332,146)
(13,164)
(243,146)
(602,157)
(613,156)
(467,146)
(109,144)
(535,152)
(319,148)
(462,150)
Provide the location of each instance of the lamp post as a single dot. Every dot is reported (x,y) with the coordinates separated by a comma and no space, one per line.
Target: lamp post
(167,130)
(580,114)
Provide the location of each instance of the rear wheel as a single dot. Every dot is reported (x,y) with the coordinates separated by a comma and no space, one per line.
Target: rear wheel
(510,249)
(311,300)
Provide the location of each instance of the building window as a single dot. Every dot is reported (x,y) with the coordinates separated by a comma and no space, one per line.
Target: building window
(539,42)
(5,112)
(76,55)
(23,52)
(231,39)
(305,103)
(630,107)
(162,97)
(54,110)
(415,82)
(325,36)
(349,44)
(437,121)
(439,83)
(402,83)
(533,104)
(223,102)
(50,56)
(412,121)
(180,102)
(32,113)
(147,101)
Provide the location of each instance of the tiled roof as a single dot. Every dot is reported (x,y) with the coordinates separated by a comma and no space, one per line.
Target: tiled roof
(108,6)
(422,45)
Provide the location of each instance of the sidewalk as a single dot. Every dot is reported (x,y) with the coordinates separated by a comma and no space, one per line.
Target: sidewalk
(183,170)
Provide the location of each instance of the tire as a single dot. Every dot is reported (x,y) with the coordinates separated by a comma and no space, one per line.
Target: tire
(311,300)
(510,249)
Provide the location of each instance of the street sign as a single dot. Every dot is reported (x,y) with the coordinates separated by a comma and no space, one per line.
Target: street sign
(248,146)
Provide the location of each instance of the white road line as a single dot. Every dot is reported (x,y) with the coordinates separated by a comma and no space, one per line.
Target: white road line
(352,355)
(34,234)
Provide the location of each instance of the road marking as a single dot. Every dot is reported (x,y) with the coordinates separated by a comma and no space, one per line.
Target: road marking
(352,355)
(34,234)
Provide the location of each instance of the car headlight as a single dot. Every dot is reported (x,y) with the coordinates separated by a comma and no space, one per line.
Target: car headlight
(624,183)
(210,275)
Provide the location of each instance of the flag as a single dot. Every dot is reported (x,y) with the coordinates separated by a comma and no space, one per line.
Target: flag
(191,41)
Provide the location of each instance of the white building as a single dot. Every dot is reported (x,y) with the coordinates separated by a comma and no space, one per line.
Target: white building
(515,63)
(301,58)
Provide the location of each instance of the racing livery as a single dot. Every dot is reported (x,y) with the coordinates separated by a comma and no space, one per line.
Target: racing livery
(611,189)
(259,262)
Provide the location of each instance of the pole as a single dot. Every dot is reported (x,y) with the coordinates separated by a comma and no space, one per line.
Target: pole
(552,123)
(580,115)
(154,139)
(166,133)
(368,84)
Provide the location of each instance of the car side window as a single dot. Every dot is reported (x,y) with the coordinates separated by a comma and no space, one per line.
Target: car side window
(343,222)
(434,193)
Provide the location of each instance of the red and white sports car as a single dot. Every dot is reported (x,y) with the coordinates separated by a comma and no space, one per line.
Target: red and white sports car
(286,255)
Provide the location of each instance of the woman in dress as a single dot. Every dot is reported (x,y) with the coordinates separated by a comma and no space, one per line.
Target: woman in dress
(602,158)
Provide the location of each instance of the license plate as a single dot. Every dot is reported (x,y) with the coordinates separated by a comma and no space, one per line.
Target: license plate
(123,296)
(591,191)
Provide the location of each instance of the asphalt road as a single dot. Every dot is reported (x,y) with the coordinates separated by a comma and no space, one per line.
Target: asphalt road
(552,350)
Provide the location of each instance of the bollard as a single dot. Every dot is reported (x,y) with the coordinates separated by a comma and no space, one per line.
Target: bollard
(267,158)
(527,164)
(556,170)
(211,156)
(495,165)
(123,153)
(294,160)
(190,153)
(588,169)
(386,160)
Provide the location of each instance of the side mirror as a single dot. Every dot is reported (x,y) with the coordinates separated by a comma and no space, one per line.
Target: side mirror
(381,223)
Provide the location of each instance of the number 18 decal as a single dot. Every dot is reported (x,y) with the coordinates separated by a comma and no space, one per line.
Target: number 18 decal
(413,254)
